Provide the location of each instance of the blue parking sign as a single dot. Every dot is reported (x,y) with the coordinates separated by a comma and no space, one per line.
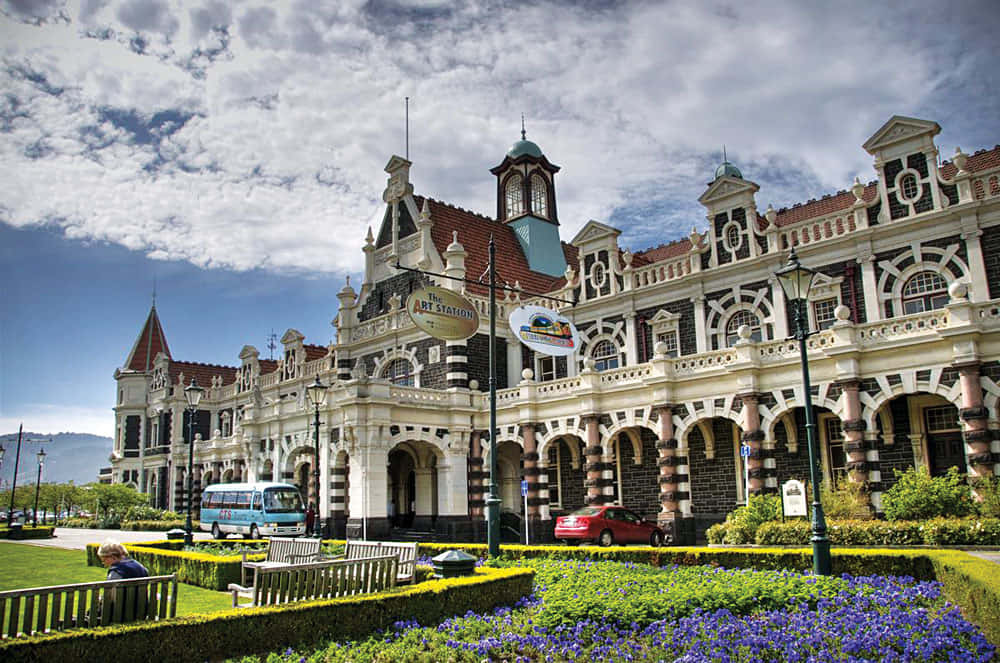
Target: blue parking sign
(745,450)
(524,488)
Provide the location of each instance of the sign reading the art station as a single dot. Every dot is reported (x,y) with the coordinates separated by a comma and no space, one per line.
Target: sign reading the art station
(442,313)
(544,330)
(793,498)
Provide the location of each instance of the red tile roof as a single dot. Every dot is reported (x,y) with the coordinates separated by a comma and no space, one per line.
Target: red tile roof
(662,252)
(315,351)
(150,343)
(981,160)
(203,373)
(474,232)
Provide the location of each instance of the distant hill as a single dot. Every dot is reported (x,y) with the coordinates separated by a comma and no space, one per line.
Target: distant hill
(73,457)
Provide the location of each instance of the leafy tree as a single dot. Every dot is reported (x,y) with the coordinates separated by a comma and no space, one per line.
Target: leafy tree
(917,495)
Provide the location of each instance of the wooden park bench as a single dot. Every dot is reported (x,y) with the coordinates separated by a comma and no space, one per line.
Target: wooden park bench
(274,585)
(283,552)
(407,553)
(39,610)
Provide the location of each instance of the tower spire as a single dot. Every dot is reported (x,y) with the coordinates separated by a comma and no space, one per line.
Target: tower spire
(523,132)
(154,292)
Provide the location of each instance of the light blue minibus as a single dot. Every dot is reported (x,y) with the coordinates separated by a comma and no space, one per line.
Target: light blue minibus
(252,509)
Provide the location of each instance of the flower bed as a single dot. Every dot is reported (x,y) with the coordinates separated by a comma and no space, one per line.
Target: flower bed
(607,611)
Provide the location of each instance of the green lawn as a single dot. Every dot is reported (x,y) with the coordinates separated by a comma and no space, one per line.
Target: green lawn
(23,566)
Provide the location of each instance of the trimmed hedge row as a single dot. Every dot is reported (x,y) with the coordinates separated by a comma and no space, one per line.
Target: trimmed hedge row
(263,630)
(932,532)
(27,532)
(165,557)
(152,525)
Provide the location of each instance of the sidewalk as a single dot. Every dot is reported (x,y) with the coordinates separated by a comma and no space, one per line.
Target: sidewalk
(77,539)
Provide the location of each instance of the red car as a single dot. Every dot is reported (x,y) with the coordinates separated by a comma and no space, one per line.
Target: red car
(607,525)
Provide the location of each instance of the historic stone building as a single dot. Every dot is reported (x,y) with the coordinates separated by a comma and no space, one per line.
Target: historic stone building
(685,354)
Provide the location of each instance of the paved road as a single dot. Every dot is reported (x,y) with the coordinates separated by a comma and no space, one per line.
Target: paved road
(77,539)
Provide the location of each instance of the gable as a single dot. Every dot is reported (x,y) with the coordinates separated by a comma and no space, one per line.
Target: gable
(898,129)
(406,225)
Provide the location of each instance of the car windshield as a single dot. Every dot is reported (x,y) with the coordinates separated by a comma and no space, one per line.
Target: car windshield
(587,511)
(282,500)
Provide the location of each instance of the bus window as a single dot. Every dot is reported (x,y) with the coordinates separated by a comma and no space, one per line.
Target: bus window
(255,505)
(228,500)
(243,499)
(282,500)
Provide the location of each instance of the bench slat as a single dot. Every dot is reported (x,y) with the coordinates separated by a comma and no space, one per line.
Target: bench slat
(43,613)
(15,612)
(29,614)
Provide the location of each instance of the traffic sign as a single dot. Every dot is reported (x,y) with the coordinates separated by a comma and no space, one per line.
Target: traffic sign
(524,488)
(745,450)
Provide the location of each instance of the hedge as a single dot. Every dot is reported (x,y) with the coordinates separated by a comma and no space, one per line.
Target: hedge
(932,532)
(165,557)
(27,532)
(262,630)
(152,525)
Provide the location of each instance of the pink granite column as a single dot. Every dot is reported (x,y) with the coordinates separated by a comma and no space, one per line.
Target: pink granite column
(595,461)
(753,436)
(975,415)
(476,501)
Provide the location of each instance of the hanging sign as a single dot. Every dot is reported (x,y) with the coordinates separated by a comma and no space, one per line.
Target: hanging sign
(544,330)
(442,313)
(793,498)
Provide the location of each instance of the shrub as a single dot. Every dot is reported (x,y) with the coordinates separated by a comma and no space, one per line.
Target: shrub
(933,532)
(87,523)
(917,495)
(716,533)
(27,532)
(146,512)
(848,501)
(152,525)
(988,489)
(742,523)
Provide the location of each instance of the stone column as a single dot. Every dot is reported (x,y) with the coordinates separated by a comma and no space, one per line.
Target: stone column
(595,466)
(976,432)
(870,440)
(338,505)
(666,445)
(452,522)
(476,476)
(531,471)
(753,436)
(854,434)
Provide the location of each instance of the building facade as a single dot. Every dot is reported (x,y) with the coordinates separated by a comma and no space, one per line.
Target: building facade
(685,356)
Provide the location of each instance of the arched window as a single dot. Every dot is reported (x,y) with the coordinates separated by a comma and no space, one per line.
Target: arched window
(742,317)
(398,372)
(925,291)
(605,355)
(539,196)
(514,195)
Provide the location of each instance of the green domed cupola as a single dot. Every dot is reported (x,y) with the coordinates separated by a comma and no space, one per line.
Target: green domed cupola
(727,169)
(523,147)
(526,203)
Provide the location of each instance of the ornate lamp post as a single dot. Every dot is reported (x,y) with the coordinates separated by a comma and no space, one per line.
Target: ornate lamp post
(796,281)
(192,393)
(38,484)
(317,395)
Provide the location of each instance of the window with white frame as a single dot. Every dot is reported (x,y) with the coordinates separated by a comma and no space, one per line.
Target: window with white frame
(732,236)
(738,319)
(553,471)
(823,310)
(605,355)
(539,196)
(398,371)
(670,340)
(924,291)
(514,195)
(545,368)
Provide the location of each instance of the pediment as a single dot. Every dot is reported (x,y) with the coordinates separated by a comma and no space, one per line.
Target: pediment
(899,128)
(595,231)
(397,162)
(249,352)
(291,337)
(727,186)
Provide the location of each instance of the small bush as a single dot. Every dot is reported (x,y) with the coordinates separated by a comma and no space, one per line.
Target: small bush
(988,489)
(153,525)
(848,501)
(932,532)
(917,495)
(146,512)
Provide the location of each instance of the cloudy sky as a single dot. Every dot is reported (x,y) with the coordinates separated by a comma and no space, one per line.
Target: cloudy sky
(233,151)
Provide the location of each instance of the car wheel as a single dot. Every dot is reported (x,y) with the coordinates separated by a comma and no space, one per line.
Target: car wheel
(254,532)
(606,538)
(656,539)
(216,532)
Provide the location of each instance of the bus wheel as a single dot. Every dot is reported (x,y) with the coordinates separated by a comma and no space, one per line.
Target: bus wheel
(254,532)
(216,532)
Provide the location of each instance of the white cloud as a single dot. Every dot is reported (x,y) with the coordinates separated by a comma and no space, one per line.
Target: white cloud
(290,111)
(49,419)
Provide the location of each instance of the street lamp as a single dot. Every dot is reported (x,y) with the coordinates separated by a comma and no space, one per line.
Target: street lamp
(38,484)
(192,393)
(795,281)
(317,395)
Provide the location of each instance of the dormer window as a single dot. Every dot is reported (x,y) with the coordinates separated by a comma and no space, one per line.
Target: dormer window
(539,196)
(514,195)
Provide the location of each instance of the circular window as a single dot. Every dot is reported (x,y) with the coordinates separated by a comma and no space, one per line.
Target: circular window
(597,274)
(908,187)
(732,236)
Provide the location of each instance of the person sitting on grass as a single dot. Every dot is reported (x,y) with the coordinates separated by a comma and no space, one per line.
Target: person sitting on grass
(120,566)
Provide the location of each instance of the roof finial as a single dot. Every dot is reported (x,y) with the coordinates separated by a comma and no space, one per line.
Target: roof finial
(725,159)
(523,133)
(154,292)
